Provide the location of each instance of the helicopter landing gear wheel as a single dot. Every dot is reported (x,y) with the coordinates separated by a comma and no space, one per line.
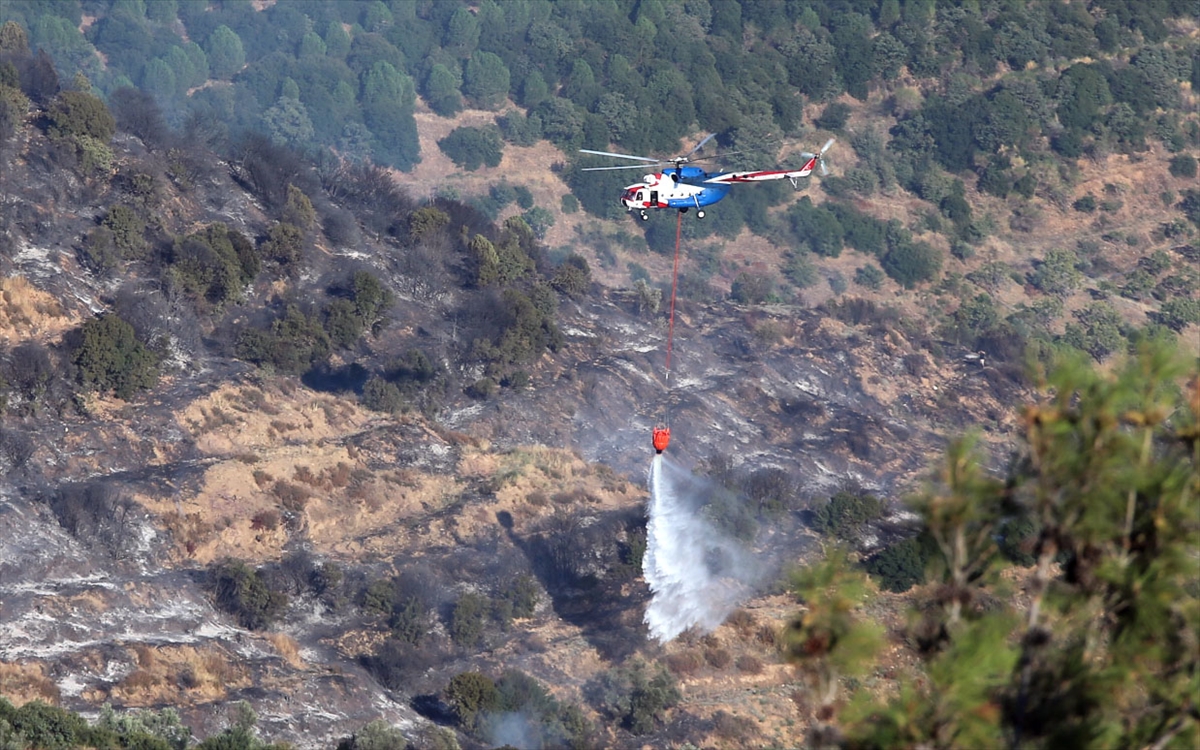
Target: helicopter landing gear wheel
(700,214)
(645,217)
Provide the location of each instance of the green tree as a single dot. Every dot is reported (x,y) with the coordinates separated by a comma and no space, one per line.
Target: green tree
(486,80)
(471,148)
(827,639)
(441,91)
(109,356)
(225,53)
(13,39)
(288,122)
(1102,651)
(472,693)
(240,590)
(377,735)
(1057,274)
(78,114)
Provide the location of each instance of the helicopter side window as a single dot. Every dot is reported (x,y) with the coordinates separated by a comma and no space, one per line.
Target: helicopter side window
(641,196)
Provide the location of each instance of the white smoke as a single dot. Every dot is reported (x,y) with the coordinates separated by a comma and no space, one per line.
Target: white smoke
(697,574)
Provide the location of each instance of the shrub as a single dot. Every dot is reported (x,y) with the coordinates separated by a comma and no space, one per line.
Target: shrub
(241,591)
(470,147)
(752,288)
(1178,313)
(833,117)
(110,357)
(377,735)
(468,619)
(75,113)
(283,244)
(470,694)
(869,276)
(846,512)
(911,263)
(573,277)
(380,395)
(1183,165)
(637,700)
(900,566)
(294,344)
(127,228)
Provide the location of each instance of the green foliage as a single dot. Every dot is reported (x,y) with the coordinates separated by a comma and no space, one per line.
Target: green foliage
(800,269)
(1057,274)
(214,263)
(816,226)
(826,640)
(225,53)
(127,228)
(750,288)
(376,735)
(294,343)
(242,592)
(911,263)
(833,117)
(382,396)
(486,80)
(573,277)
(76,113)
(1183,165)
(846,512)
(1100,331)
(146,726)
(1179,313)
(1104,485)
(471,148)
(283,244)
(900,566)
(109,356)
(468,620)
(869,276)
(470,694)
(639,701)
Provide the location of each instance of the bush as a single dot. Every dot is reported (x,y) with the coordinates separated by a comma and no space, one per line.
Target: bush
(911,263)
(75,113)
(869,276)
(380,395)
(110,357)
(1183,165)
(752,288)
(573,277)
(628,695)
(833,117)
(846,512)
(470,694)
(468,619)
(470,147)
(377,735)
(900,566)
(241,591)
(1086,204)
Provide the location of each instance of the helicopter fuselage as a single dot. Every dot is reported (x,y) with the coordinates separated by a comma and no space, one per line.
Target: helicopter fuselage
(683,188)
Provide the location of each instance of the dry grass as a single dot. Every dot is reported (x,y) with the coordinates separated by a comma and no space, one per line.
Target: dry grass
(287,647)
(27,312)
(178,674)
(22,682)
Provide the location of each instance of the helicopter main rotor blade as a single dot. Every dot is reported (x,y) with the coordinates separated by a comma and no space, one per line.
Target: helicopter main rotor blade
(623,166)
(619,156)
(828,143)
(699,145)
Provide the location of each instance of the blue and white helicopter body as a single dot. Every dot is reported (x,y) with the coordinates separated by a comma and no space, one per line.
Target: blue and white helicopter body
(685,188)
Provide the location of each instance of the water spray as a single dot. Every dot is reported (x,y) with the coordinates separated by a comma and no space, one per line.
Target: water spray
(697,574)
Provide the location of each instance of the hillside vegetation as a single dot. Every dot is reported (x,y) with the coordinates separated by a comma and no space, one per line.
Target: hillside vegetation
(239,343)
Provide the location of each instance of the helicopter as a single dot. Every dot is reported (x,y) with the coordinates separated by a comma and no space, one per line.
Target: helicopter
(685,187)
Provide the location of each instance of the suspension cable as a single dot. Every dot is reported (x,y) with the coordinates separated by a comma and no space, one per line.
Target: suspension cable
(674,283)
